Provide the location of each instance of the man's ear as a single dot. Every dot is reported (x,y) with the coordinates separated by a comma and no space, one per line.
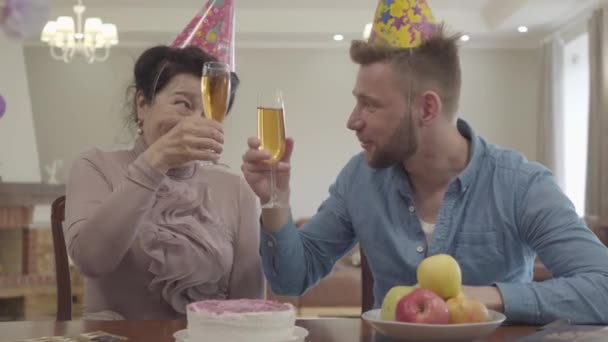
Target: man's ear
(431,106)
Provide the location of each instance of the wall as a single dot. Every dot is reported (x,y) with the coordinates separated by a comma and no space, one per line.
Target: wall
(18,149)
(500,96)
(78,106)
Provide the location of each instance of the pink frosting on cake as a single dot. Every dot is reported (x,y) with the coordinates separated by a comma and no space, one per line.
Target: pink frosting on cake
(238,306)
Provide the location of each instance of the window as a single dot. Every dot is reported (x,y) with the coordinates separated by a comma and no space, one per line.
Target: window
(576,119)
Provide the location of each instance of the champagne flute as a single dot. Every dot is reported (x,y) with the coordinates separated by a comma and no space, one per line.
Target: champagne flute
(271,132)
(215,88)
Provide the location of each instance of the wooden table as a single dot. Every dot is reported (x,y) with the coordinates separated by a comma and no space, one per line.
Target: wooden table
(321,330)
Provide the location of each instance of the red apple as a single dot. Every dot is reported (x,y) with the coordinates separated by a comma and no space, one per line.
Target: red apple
(422,306)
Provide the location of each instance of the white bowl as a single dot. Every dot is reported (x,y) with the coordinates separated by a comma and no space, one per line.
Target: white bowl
(433,332)
(299,335)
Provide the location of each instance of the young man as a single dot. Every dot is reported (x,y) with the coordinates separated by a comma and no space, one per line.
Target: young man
(425,184)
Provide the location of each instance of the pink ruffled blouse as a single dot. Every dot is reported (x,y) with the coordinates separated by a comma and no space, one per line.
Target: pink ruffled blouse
(149,244)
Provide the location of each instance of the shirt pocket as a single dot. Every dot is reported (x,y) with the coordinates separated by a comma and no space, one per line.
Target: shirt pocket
(481,256)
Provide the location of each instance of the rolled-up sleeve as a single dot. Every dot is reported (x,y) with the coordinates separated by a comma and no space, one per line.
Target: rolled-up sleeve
(577,259)
(296,259)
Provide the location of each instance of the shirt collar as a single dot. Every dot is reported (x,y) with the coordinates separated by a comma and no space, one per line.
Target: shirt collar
(466,177)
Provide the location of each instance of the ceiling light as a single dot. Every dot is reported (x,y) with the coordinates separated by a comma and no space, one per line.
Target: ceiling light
(67,36)
(522,29)
(465,38)
(338,37)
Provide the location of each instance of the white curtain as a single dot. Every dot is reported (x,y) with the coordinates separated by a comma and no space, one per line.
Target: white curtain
(550,121)
(597,166)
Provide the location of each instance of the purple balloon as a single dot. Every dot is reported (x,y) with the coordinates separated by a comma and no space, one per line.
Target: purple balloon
(2,106)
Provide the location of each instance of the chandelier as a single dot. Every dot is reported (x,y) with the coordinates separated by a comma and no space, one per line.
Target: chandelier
(67,38)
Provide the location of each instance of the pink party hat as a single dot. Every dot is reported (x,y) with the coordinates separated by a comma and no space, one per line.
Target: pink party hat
(212,29)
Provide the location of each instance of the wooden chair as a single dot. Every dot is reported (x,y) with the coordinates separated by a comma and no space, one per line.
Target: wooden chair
(62,266)
(367,285)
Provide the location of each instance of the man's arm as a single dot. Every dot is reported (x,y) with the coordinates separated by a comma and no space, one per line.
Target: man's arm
(296,259)
(550,225)
(489,295)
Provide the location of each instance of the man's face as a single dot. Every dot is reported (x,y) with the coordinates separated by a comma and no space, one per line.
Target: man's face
(382,117)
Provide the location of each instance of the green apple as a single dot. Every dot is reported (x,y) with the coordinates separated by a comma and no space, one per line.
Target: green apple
(392,297)
(441,274)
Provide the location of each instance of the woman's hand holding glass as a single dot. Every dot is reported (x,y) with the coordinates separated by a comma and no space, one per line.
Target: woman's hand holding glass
(193,138)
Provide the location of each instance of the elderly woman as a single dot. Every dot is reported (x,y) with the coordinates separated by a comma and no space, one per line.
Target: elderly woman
(150,229)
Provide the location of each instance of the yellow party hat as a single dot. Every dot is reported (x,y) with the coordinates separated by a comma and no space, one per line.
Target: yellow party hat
(402,23)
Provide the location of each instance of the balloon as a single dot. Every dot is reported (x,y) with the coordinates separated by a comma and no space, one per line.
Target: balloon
(2,106)
(21,19)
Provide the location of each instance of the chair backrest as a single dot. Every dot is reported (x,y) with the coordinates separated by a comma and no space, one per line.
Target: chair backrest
(598,227)
(367,285)
(62,266)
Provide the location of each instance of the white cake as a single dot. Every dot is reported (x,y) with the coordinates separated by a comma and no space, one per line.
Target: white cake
(250,320)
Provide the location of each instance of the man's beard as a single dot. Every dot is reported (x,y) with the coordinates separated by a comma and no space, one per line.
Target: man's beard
(400,147)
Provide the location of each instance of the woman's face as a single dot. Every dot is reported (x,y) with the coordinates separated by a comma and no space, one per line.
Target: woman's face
(180,98)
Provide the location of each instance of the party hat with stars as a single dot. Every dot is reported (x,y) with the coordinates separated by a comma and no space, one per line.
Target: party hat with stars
(212,29)
(402,23)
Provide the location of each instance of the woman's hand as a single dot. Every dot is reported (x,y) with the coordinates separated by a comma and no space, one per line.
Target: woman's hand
(193,138)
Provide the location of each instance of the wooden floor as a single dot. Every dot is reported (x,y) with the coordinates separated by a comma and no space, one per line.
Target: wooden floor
(34,303)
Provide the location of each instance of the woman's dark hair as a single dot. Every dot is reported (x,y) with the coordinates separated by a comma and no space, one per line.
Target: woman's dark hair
(157,66)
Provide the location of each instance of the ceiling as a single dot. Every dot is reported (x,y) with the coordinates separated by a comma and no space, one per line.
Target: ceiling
(312,23)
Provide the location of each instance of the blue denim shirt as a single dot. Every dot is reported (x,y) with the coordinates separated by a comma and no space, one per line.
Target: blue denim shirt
(496,217)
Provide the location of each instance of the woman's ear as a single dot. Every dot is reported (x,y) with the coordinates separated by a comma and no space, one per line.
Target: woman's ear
(141,105)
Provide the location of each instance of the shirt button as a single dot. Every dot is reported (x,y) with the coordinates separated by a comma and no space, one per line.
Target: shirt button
(270,244)
(419,249)
(412,209)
